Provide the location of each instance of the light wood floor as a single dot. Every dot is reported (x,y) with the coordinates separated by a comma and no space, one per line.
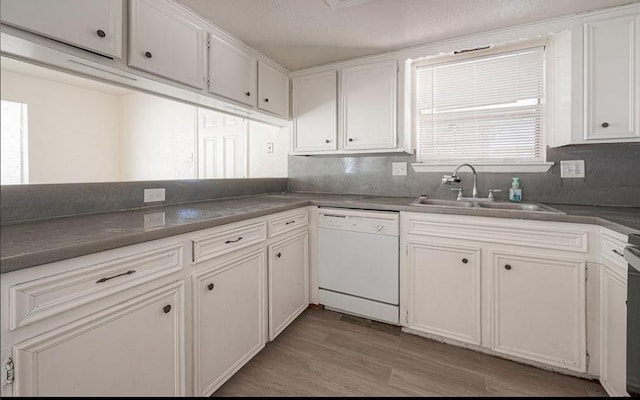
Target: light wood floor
(324,353)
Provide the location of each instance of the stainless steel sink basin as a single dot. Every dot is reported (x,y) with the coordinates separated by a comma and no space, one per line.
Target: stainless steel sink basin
(517,207)
(421,201)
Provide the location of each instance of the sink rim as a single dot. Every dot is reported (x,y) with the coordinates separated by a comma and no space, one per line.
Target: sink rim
(486,205)
(420,201)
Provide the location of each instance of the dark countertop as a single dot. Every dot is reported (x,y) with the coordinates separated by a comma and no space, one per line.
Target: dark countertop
(30,244)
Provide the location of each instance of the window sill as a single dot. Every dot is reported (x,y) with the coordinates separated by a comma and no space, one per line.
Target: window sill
(484,167)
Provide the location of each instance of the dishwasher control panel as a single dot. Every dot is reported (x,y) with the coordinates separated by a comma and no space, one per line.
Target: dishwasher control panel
(374,222)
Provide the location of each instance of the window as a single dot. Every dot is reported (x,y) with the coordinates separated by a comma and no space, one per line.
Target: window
(485,109)
(13,134)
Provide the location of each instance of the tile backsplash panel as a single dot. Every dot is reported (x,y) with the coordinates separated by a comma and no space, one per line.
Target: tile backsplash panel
(612,177)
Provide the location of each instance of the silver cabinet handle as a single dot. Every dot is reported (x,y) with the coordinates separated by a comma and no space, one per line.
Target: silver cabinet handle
(101,280)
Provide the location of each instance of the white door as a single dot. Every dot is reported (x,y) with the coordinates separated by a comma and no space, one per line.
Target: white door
(165,40)
(613,332)
(94,25)
(288,281)
(132,349)
(315,112)
(221,145)
(612,74)
(444,296)
(538,309)
(368,107)
(229,318)
(273,90)
(232,72)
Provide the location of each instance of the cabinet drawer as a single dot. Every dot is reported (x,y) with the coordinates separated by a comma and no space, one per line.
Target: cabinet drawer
(288,222)
(226,240)
(611,249)
(45,297)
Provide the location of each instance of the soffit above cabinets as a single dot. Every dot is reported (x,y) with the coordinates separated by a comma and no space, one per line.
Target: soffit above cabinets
(303,33)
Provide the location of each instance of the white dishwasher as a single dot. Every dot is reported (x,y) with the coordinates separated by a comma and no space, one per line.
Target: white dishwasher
(358,262)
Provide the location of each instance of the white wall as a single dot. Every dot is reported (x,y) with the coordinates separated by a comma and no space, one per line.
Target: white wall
(70,129)
(157,138)
(261,163)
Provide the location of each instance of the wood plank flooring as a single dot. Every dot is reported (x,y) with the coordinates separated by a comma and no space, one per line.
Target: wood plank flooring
(324,353)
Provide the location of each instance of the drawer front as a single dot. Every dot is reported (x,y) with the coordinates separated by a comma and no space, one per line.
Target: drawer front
(287,222)
(226,240)
(500,232)
(45,297)
(611,249)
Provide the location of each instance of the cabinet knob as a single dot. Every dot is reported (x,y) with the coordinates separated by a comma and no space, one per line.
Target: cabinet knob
(464,261)
(605,124)
(327,141)
(507,267)
(211,286)
(148,54)
(247,94)
(101,33)
(166,309)
(279,255)
(351,139)
(266,100)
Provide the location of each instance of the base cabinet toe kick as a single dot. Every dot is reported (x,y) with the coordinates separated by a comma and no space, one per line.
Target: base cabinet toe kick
(179,316)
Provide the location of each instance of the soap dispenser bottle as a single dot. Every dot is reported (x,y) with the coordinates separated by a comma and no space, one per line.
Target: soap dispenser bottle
(515,193)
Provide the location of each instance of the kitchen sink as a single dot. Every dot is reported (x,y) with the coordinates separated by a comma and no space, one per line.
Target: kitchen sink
(521,207)
(421,201)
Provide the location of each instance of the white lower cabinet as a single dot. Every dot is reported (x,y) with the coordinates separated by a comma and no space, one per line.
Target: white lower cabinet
(445,290)
(613,331)
(133,349)
(537,307)
(288,280)
(229,317)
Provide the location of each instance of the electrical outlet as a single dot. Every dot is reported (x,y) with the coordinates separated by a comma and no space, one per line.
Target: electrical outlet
(154,195)
(399,168)
(270,147)
(154,220)
(572,169)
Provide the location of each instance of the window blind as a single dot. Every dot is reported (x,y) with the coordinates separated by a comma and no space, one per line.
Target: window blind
(482,109)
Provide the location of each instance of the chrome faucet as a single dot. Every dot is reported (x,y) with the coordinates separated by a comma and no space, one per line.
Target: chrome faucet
(453,178)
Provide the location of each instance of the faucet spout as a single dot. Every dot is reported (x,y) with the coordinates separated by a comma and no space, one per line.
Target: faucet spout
(453,178)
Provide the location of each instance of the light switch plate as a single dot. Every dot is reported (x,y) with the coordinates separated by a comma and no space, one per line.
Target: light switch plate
(154,195)
(399,168)
(572,169)
(270,147)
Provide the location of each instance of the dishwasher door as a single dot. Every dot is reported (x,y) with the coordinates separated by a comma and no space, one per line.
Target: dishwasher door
(359,264)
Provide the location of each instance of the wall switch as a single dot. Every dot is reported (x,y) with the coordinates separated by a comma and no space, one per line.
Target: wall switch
(153,195)
(399,168)
(270,147)
(572,169)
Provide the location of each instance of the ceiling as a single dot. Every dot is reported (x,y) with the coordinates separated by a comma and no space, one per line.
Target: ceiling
(302,33)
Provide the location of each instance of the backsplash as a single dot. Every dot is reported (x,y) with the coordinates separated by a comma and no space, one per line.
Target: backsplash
(34,202)
(612,177)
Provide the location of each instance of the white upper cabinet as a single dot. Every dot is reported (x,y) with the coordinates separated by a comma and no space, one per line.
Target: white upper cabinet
(315,112)
(273,90)
(165,40)
(612,79)
(369,106)
(94,25)
(232,72)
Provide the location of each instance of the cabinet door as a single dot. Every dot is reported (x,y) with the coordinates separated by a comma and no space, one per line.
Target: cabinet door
(369,106)
(538,309)
(444,296)
(133,349)
(166,41)
(94,25)
(612,74)
(613,332)
(232,72)
(288,281)
(229,318)
(273,90)
(315,112)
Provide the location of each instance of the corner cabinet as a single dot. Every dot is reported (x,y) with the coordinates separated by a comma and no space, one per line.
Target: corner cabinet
(273,90)
(232,72)
(92,25)
(612,79)
(167,41)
